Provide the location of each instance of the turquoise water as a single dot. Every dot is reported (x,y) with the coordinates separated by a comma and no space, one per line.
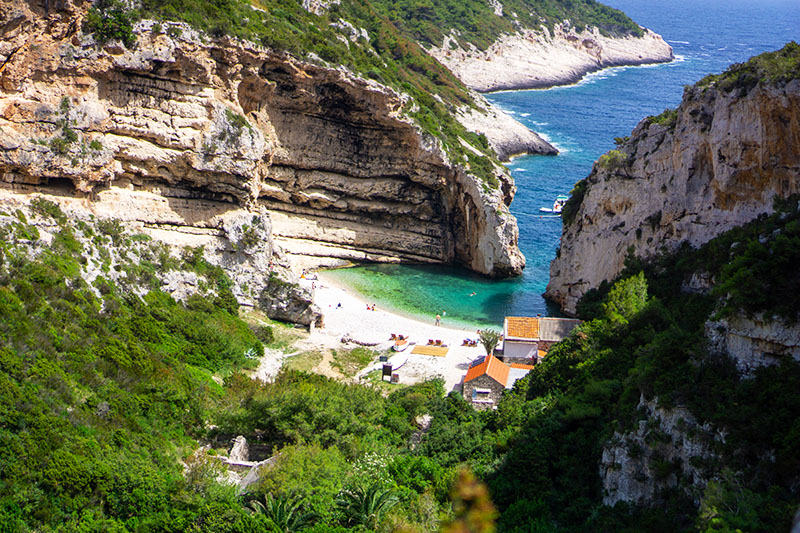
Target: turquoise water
(582,121)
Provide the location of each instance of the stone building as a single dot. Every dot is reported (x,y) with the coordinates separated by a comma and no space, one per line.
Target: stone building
(487,378)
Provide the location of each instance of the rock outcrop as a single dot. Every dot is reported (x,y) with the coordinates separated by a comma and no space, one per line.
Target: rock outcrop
(507,136)
(718,164)
(236,240)
(537,58)
(754,342)
(667,449)
(203,126)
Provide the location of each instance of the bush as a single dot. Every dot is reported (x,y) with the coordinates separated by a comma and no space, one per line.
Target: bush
(667,118)
(612,160)
(112,20)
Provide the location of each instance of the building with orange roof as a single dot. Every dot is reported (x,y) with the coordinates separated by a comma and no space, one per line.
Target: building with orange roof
(487,378)
(526,339)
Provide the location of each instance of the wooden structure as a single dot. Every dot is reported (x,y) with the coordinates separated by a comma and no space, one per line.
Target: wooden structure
(438,351)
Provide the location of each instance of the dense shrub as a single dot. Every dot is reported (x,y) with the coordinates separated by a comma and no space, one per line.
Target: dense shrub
(780,66)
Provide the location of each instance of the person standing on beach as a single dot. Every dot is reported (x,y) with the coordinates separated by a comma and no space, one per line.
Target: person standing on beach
(438,320)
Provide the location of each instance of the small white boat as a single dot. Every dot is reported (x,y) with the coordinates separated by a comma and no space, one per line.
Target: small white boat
(400,345)
(558,205)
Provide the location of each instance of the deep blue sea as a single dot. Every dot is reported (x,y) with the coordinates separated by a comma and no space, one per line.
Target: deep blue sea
(582,121)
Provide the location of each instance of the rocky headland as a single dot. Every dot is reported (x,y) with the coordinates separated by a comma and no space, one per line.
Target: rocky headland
(715,163)
(536,58)
(705,195)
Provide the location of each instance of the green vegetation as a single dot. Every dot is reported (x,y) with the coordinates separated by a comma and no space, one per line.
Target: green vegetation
(62,144)
(612,160)
(476,23)
(349,362)
(570,209)
(104,392)
(668,118)
(304,361)
(776,67)
(110,20)
(489,339)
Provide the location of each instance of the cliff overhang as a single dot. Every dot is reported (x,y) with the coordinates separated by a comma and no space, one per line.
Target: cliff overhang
(211,125)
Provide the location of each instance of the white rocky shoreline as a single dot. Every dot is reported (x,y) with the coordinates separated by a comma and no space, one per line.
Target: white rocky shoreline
(537,59)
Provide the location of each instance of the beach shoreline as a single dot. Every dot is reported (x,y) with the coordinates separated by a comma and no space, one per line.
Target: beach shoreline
(348,322)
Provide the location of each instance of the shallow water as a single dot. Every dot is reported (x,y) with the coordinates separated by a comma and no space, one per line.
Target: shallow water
(582,121)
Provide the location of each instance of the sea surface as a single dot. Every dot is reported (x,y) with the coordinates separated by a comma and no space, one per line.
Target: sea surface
(581,120)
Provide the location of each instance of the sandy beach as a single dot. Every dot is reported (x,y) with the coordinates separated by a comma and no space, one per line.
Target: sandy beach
(355,323)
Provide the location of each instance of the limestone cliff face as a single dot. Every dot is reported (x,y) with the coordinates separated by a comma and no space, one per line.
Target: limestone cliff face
(754,342)
(664,451)
(203,126)
(535,58)
(719,166)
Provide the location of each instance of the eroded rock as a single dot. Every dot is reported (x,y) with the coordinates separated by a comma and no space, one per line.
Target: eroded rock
(721,165)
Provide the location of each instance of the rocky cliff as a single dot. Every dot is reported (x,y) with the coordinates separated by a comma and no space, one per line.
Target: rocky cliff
(182,128)
(715,163)
(535,58)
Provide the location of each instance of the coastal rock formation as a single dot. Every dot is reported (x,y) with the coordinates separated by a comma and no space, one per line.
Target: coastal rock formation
(537,58)
(714,164)
(203,126)
(754,342)
(664,451)
(507,136)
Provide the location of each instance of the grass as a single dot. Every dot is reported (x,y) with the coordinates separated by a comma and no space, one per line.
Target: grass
(385,388)
(304,361)
(349,362)
(283,335)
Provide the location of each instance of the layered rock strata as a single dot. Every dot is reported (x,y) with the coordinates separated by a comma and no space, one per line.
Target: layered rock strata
(330,157)
(719,165)
(537,58)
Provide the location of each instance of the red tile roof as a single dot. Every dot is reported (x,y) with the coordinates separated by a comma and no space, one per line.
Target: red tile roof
(520,365)
(492,367)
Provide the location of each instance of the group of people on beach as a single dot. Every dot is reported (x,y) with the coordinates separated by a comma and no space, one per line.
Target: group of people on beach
(371,307)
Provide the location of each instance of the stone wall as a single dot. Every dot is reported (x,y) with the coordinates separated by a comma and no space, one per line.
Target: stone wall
(483,382)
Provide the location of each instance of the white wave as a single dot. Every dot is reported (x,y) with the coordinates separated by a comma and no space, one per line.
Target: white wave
(519,169)
(509,112)
(524,114)
(679,42)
